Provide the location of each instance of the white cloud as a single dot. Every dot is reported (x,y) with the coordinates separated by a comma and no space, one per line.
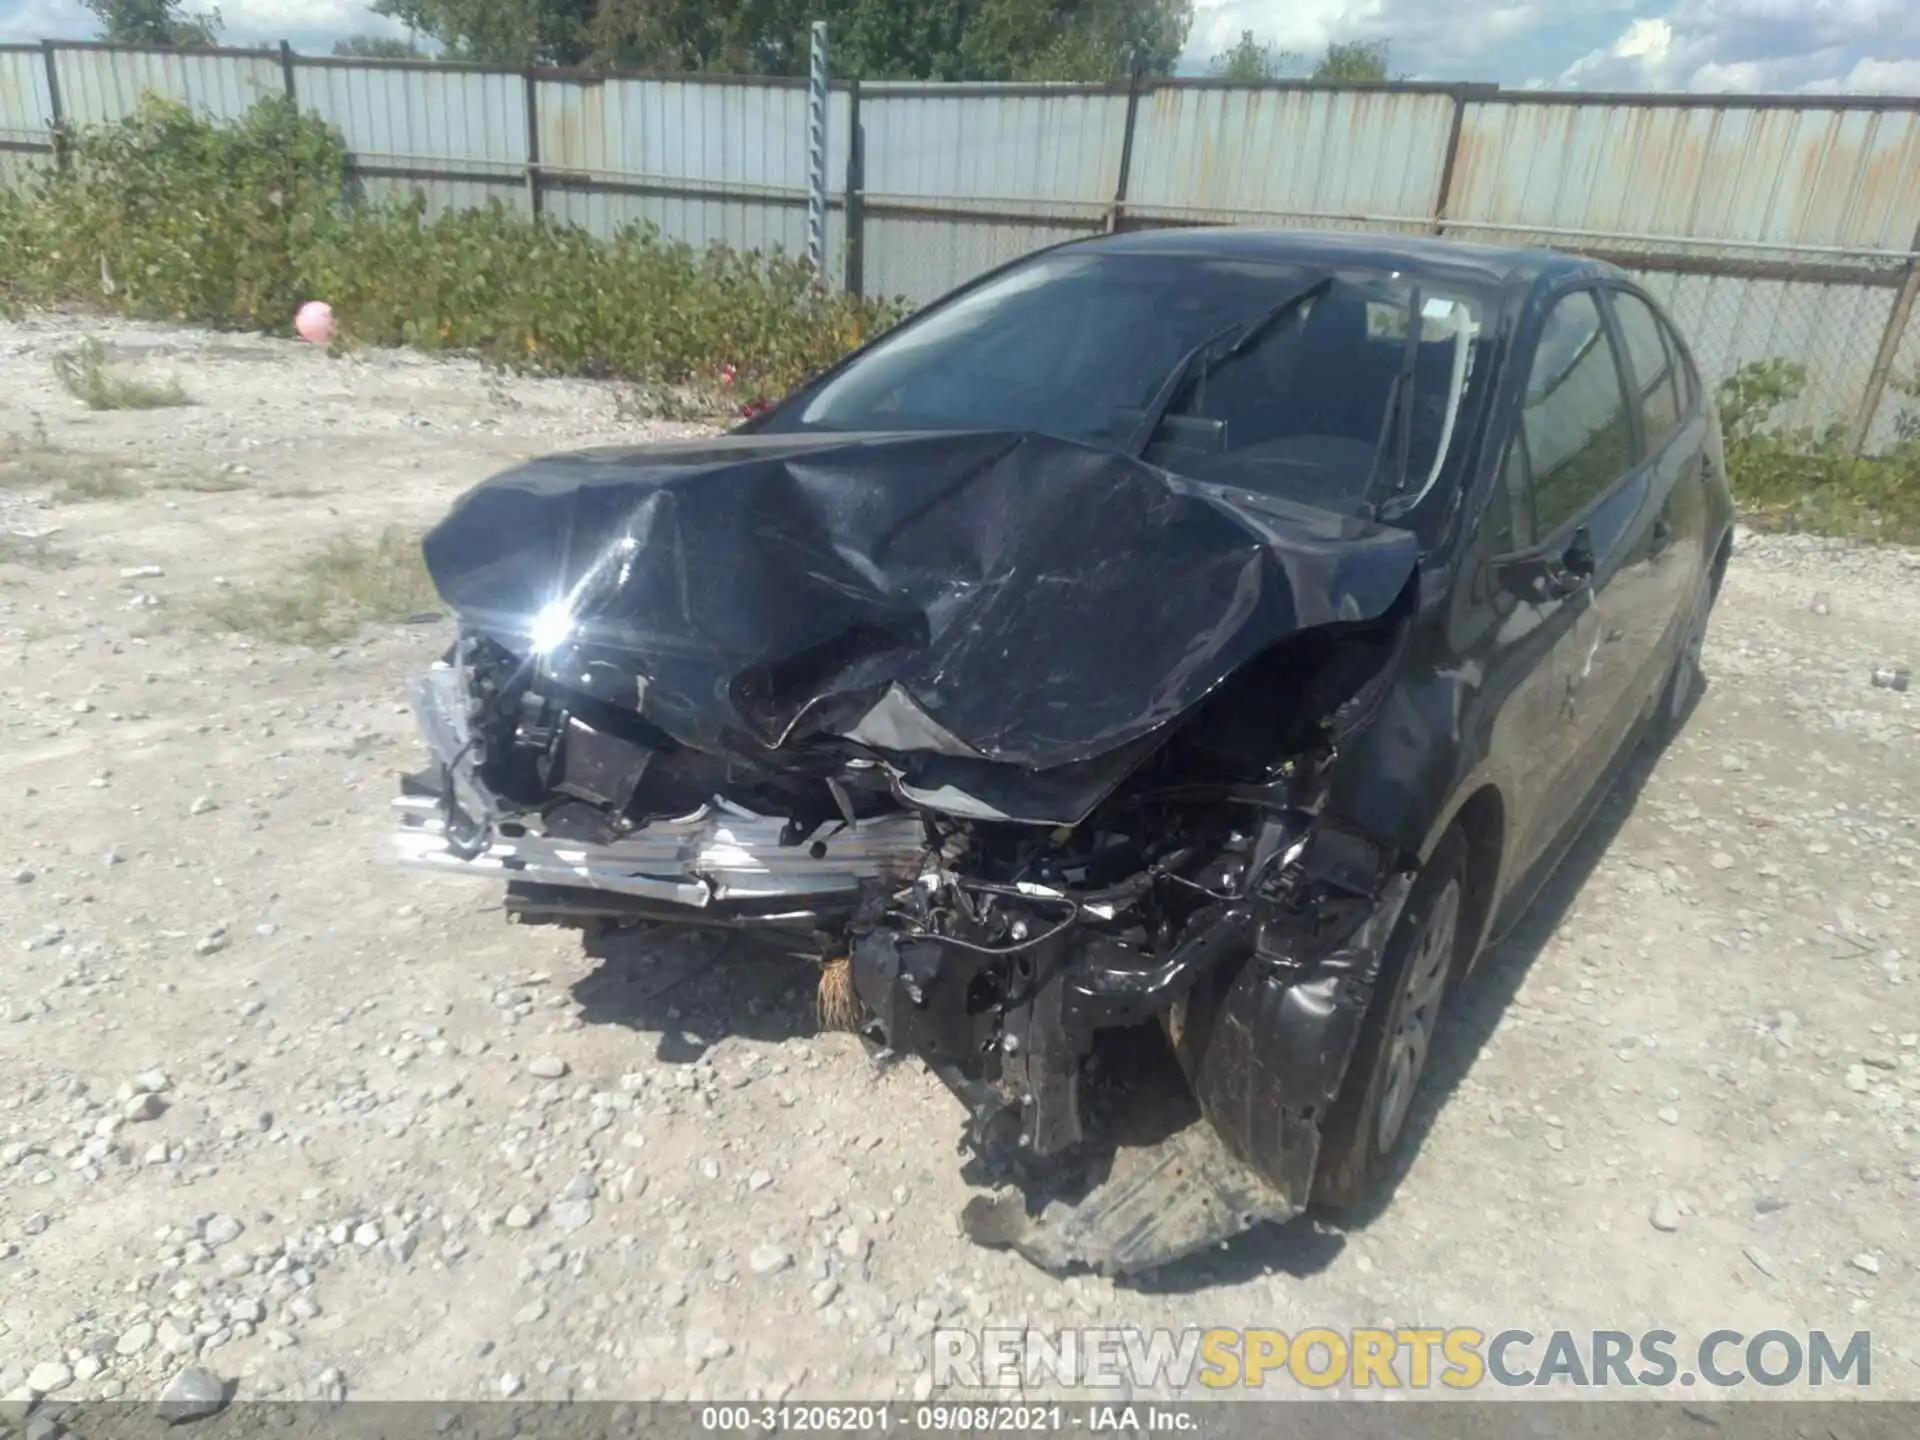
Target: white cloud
(1879,77)
(1644,48)
(1302,26)
(277,17)
(1759,45)
(22,21)
(308,24)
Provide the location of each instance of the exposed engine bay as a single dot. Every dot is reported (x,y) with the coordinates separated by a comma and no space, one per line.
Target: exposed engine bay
(1005,885)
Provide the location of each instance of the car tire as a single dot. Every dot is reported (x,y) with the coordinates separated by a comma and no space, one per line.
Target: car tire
(1674,703)
(1366,1128)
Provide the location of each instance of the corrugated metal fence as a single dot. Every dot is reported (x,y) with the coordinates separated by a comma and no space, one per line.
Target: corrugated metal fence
(1771,225)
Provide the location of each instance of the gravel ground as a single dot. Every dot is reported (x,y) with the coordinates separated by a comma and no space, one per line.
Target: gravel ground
(272,1107)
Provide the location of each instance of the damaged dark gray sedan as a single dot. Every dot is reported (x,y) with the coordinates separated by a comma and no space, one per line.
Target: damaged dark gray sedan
(1199,640)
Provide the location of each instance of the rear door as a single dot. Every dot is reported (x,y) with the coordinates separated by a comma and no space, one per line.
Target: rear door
(1673,428)
(1581,519)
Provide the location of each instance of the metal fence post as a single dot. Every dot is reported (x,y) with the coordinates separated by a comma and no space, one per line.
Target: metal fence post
(855,209)
(817,100)
(57,120)
(532,88)
(1136,74)
(1889,351)
(1444,196)
(286,71)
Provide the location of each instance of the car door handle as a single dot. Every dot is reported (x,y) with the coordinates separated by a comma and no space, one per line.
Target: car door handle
(1572,570)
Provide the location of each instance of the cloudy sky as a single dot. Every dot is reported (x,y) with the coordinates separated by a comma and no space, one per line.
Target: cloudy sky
(1811,45)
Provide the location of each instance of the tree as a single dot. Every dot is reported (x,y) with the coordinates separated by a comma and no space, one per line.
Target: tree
(376,47)
(876,39)
(153,22)
(1249,60)
(502,32)
(1354,61)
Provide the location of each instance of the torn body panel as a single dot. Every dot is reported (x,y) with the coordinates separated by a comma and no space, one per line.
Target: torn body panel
(1038,739)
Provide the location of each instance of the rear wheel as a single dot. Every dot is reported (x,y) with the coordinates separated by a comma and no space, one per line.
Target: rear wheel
(1684,680)
(1367,1124)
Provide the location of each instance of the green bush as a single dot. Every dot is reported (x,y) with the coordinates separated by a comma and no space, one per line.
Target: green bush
(1802,478)
(168,215)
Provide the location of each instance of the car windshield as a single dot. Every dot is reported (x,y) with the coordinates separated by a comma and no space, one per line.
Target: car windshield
(1326,400)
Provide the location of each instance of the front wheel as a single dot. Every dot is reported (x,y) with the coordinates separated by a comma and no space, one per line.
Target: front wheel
(1367,1124)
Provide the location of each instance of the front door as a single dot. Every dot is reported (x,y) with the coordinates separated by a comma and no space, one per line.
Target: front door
(1584,515)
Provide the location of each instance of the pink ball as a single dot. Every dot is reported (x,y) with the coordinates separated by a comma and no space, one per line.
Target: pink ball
(315,322)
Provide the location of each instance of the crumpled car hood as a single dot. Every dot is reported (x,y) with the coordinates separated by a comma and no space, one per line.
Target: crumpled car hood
(1006,598)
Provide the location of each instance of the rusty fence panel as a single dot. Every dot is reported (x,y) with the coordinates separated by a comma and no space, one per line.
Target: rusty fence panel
(27,114)
(960,178)
(457,135)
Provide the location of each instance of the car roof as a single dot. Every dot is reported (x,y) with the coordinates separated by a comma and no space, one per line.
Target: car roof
(1506,267)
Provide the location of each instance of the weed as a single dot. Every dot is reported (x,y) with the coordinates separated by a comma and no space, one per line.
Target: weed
(1800,478)
(204,482)
(84,373)
(33,551)
(266,229)
(349,583)
(99,483)
(34,462)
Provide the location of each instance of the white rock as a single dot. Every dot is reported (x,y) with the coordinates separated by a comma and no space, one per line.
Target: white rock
(1665,1214)
(547,1067)
(570,1215)
(768,1260)
(1866,1262)
(49,1376)
(191,1394)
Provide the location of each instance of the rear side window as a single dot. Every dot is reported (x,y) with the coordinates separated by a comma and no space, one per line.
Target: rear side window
(1574,417)
(1684,375)
(1655,365)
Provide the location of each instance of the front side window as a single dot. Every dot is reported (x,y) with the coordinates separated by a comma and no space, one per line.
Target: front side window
(1311,405)
(1574,419)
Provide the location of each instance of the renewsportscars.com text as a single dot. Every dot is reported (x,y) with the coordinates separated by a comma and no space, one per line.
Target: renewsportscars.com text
(1404,1358)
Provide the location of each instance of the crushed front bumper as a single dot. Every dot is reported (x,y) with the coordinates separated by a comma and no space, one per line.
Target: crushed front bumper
(719,857)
